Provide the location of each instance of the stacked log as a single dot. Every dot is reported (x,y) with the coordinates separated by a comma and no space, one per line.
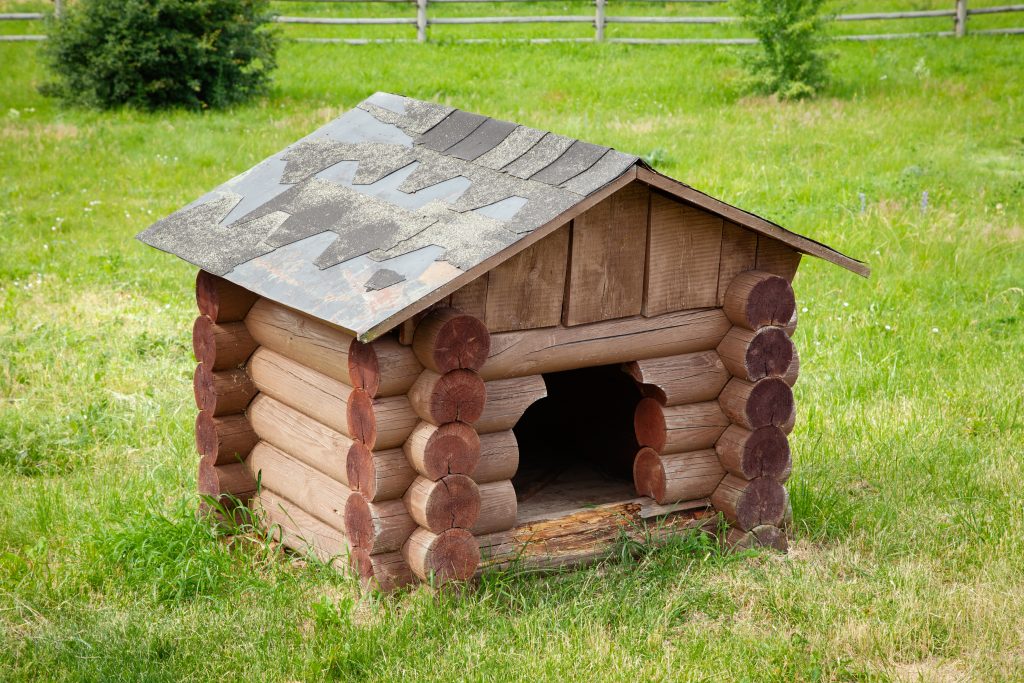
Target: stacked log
(758,401)
(222,392)
(444,502)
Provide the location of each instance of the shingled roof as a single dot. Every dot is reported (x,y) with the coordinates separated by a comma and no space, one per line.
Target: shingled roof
(392,205)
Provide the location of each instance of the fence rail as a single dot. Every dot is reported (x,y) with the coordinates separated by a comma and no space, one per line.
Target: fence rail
(599,20)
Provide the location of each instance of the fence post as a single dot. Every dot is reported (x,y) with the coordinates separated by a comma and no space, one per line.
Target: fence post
(421,21)
(58,8)
(599,20)
(960,27)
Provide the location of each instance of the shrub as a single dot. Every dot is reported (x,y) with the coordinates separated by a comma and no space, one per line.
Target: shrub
(788,60)
(161,53)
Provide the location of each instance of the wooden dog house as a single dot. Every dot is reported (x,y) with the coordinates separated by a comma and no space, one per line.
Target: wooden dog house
(441,342)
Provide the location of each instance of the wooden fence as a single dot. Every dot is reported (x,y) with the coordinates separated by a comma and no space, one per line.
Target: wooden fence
(599,20)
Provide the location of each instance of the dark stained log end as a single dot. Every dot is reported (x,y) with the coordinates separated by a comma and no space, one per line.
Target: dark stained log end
(770,403)
(363,367)
(449,340)
(649,424)
(358,521)
(221,300)
(764,536)
(763,502)
(768,453)
(756,299)
(225,439)
(202,389)
(362,422)
(222,392)
(770,354)
(648,474)
(204,346)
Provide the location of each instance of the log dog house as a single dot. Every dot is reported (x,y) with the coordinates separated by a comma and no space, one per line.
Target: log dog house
(443,343)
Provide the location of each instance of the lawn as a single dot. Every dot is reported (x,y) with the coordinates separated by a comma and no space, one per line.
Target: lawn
(907,558)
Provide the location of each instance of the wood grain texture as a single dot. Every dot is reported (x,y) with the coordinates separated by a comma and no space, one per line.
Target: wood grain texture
(507,400)
(672,477)
(526,291)
(533,352)
(497,508)
(607,256)
(764,536)
(221,346)
(226,439)
(763,452)
(221,482)
(683,252)
(447,339)
(293,527)
(739,254)
(385,572)
(757,404)
(471,298)
(754,355)
(678,429)
(380,475)
(748,504)
(222,301)
(777,258)
(453,501)
(222,392)
(452,555)
(499,457)
(757,299)
(378,527)
(302,437)
(686,378)
(435,451)
(458,395)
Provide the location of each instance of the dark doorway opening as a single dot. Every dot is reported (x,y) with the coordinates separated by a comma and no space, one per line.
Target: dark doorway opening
(576,446)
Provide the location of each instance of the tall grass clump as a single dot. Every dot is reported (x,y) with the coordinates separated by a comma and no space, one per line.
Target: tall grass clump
(789,60)
(153,54)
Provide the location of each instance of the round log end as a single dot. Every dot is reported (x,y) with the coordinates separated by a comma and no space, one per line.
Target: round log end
(459,396)
(358,521)
(360,468)
(767,536)
(454,503)
(207,300)
(649,424)
(763,502)
(207,480)
(770,403)
(204,344)
(206,435)
(362,567)
(363,367)
(454,448)
(452,556)
(648,474)
(770,354)
(202,389)
(453,340)
(362,422)
(756,299)
(767,453)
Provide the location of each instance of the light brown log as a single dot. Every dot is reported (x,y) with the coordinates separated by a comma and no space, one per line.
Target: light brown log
(507,400)
(378,423)
(686,378)
(294,528)
(748,504)
(448,339)
(223,482)
(310,489)
(221,346)
(380,475)
(226,439)
(678,429)
(377,527)
(385,572)
(222,392)
(793,373)
(763,452)
(756,299)
(434,452)
(497,508)
(499,457)
(450,502)
(757,404)
(222,301)
(676,476)
(382,368)
(303,438)
(452,555)
(763,536)
(458,395)
(534,352)
(754,355)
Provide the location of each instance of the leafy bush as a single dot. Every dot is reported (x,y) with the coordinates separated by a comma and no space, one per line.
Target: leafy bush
(161,53)
(788,60)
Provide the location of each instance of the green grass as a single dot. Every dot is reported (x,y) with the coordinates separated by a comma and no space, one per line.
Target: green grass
(908,556)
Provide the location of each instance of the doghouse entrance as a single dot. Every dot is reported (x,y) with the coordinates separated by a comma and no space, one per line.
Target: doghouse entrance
(576,446)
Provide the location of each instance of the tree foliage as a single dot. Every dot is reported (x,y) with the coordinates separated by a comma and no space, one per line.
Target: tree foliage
(161,53)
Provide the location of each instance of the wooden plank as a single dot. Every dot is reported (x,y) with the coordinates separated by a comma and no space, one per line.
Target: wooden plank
(683,251)
(526,291)
(608,252)
(739,254)
(777,258)
(472,298)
